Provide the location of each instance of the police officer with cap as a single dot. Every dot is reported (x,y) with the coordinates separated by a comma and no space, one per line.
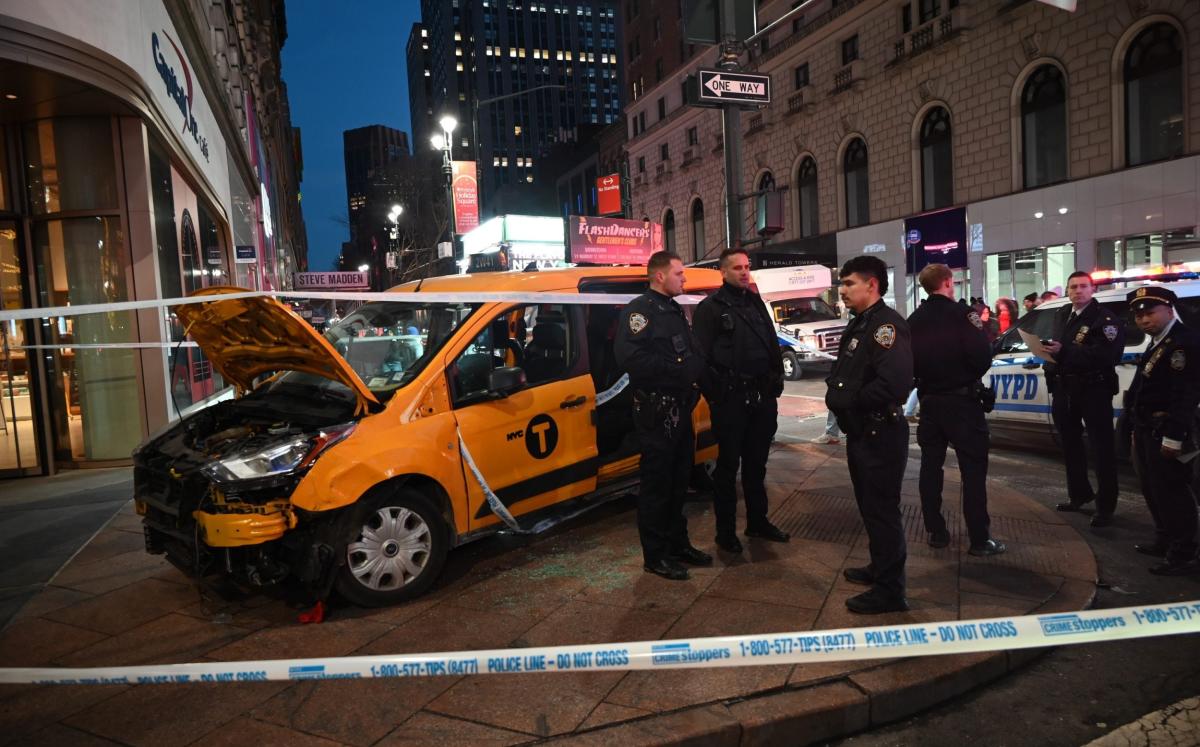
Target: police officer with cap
(1082,381)
(951,353)
(866,389)
(1162,401)
(738,338)
(654,344)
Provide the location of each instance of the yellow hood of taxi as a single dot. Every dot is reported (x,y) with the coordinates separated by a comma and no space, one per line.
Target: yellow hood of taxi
(247,337)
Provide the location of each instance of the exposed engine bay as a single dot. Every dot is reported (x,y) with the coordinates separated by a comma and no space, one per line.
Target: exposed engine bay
(214,489)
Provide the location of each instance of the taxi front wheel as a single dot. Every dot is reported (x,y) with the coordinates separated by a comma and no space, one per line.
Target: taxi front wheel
(396,552)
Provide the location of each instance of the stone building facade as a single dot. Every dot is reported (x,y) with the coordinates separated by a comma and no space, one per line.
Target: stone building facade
(850,73)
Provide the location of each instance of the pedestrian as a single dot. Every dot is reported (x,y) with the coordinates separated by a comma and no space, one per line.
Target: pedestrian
(1006,314)
(1162,401)
(1087,346)
(951,353)
(1049,295)
(870,379)
(654,344)
(832,434)
(991,328)
(738,340)
(1030,302)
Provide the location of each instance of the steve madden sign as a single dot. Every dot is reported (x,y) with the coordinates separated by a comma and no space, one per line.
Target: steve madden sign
(332,280)
(180,91)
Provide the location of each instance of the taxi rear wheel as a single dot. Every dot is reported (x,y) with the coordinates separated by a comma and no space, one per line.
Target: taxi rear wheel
(395,552)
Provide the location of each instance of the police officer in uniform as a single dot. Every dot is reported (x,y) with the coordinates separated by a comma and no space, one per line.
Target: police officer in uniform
(866,389)
(1082,381)
(738,339)
(654,344)
(950,354)
(1162,401)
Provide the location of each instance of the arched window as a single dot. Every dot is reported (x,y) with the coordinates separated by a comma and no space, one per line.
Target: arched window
(937,161)
(669,231)
(807,191)
(698,242)
(766,182)
(1044,127)
(1154,95)
(854,171)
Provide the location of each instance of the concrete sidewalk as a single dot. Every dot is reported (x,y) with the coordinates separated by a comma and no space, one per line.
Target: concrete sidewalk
(580,583)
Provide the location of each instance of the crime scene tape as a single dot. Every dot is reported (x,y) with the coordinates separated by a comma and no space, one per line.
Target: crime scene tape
(807,647)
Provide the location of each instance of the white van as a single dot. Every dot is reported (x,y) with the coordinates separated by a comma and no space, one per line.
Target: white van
(809,329)
(1022,414)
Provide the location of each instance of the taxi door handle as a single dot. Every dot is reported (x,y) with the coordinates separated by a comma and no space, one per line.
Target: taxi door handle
(567,404)
(1031,366)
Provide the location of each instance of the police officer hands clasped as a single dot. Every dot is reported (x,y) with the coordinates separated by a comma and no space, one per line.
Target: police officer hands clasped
(739,341)
(1162,401)
(654,344)
(869,383)
(1082,381)
(950,354)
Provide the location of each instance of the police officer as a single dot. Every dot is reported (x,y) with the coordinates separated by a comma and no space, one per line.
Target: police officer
(950,354)
(655,346)
(1162,401)
(869,382)
(1086,348)
(738,339)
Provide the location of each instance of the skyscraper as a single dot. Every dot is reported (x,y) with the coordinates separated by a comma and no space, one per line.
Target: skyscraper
(533,74)
(367,152)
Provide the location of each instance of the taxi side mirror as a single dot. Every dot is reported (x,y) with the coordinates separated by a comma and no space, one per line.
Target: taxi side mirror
(506,380)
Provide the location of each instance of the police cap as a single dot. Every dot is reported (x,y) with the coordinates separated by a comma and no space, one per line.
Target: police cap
(1148,296)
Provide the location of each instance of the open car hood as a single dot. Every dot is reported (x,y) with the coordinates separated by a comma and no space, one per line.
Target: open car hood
(247,337)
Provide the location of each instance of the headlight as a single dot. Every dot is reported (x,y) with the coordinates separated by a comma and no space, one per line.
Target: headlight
(277,459)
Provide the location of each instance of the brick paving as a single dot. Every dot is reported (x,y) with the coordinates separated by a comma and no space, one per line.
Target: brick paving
(580,583)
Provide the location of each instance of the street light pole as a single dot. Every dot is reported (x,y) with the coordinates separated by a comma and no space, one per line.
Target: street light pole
(445,143)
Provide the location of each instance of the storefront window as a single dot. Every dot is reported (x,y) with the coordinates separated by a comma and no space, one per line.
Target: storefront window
(70,165)
(3,172)
(167,250)
(93,391)
(1017,274)
(18,444)
(1147,249)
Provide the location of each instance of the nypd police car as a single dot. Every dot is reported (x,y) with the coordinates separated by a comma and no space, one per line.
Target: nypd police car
(1022,412)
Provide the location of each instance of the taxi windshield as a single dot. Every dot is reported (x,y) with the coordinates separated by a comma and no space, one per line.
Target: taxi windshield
(387,343)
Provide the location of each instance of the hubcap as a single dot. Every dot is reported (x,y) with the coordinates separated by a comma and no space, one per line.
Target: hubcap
(392,549)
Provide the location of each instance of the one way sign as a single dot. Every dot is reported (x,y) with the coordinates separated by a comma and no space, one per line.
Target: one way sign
(724,87)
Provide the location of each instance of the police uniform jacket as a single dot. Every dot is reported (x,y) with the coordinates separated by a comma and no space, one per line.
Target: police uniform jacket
(1092,345)
(1166,386)
(873,373)
(654,344)
(949,346)
(738,339)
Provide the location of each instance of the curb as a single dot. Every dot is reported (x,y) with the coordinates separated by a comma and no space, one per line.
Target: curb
(838,707)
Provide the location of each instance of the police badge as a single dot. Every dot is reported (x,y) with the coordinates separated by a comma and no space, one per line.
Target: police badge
(885,336)
(853,344)
(637,322)
(1178,360)
(1110,332)
(1081,334)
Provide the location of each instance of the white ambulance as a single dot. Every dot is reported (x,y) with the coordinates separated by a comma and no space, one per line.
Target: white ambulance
(808,327)
(1022,413)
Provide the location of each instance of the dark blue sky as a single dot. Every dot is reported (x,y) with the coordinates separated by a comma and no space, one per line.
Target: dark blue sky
(344,67)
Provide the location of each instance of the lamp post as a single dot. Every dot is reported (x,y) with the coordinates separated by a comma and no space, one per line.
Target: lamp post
(394,250)
(445,143)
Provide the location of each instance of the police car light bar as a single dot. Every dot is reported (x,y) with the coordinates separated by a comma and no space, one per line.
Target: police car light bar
(1174,271)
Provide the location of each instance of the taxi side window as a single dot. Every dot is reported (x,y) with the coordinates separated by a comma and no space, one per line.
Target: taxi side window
(540,339)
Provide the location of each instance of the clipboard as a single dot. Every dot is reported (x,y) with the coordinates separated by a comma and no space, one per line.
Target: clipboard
(1035,346)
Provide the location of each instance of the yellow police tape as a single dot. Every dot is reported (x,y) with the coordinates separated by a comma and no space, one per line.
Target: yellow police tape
(806,647)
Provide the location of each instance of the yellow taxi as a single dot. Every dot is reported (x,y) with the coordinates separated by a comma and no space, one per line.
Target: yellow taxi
(355,461)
